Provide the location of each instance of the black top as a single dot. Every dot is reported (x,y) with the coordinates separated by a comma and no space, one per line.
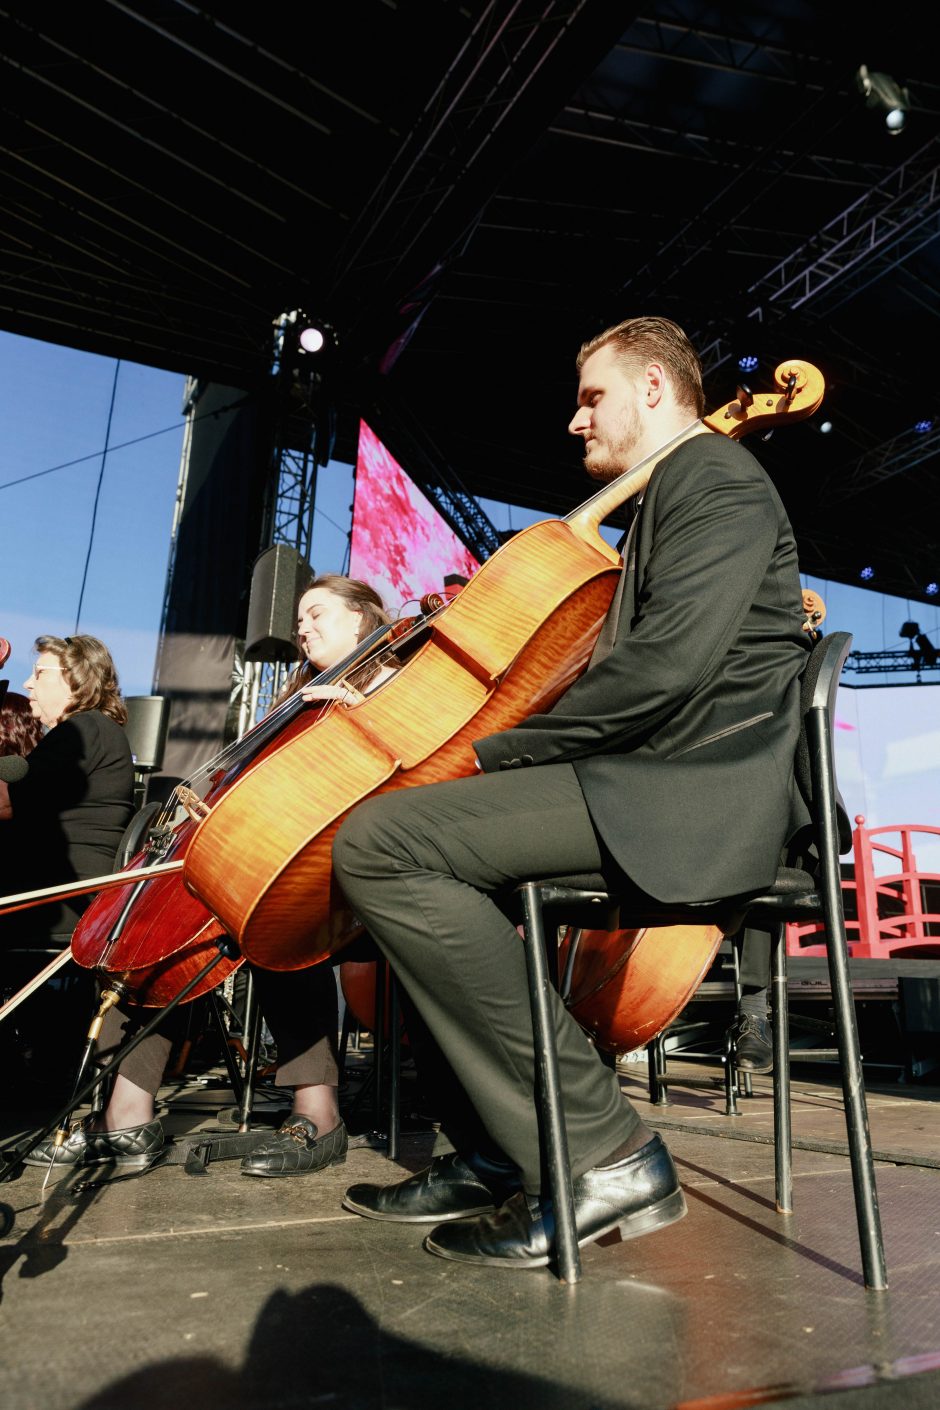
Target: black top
(69,815)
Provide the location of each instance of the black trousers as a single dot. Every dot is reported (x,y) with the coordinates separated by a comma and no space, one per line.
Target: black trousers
(425,869)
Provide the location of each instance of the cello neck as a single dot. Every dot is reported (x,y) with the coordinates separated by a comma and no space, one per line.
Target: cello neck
(588,517)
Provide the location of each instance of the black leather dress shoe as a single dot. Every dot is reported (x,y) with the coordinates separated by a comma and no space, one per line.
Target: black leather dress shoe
(296,1149)
(133,1145)
(637,1195)
(452,1187)
(752,1043)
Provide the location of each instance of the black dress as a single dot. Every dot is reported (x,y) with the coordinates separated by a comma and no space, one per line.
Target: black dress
(69,814)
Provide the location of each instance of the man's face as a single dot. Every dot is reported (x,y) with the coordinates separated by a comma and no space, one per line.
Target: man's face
(608,417)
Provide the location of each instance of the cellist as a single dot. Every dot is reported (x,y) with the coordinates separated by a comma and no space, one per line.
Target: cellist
(670,760)
(334,613)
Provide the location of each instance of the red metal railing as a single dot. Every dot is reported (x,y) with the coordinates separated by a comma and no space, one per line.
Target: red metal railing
(885,915)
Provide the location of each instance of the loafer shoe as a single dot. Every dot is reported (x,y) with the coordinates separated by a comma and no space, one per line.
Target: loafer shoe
(451,1187)
(297,1149)
(133,1145)
(752,1043)
(637,1195)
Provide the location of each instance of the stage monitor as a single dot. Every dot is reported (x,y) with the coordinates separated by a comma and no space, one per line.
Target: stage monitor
(400,545)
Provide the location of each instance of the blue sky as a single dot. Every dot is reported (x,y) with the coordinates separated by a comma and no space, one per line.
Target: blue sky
(55,405)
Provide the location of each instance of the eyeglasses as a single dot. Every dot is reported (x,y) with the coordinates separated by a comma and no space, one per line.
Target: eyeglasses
(38,670)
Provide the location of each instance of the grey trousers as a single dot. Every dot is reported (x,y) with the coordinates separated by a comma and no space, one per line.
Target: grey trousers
(424,869)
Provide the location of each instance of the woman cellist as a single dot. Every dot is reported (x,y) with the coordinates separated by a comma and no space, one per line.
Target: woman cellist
(334,613)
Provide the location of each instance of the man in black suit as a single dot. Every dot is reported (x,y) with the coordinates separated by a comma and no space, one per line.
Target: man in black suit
(670,760)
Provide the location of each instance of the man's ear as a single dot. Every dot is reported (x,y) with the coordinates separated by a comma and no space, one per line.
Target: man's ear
(655,383)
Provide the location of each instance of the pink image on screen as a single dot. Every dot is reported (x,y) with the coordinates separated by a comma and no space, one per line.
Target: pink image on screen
(401,545)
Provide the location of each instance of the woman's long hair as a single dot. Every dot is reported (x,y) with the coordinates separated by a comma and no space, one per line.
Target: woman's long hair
(358,597)
(90,673)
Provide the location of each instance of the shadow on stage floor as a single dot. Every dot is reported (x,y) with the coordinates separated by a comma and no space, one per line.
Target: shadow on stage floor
(213,1290)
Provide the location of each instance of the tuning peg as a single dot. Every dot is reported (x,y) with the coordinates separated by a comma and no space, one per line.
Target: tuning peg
(744,394)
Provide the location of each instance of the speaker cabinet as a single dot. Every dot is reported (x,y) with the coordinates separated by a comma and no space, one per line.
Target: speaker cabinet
(148,719)
(278,578)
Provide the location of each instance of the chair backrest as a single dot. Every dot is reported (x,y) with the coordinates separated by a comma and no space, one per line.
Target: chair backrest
(135,834)
(819,685)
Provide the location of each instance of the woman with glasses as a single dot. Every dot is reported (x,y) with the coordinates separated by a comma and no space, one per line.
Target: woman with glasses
(64,819)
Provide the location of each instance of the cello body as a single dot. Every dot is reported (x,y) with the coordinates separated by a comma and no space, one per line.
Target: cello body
(156,939)
(628,985)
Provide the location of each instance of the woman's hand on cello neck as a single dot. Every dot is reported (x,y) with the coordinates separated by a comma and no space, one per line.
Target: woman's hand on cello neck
(344,690)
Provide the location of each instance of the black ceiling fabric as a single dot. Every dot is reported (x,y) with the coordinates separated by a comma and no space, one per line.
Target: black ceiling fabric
(466,191)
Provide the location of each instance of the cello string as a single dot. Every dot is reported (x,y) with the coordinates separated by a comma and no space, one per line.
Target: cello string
(605,489)
(376,644)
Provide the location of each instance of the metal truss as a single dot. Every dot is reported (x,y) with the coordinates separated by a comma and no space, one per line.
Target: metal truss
(866,663)
(879,231)
(514,70)
(882,463)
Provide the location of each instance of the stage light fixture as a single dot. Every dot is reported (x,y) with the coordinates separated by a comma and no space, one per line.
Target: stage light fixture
(825,427)
(909,630)
(922,427)
(928,652)
(880,90)
(748,362)
(866,574)
(932,589)
(312,339)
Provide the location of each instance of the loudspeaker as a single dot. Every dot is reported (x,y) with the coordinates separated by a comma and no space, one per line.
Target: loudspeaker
(278,578)
(148,719)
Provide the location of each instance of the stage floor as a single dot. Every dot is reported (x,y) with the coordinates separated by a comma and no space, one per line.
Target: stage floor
(178,1290)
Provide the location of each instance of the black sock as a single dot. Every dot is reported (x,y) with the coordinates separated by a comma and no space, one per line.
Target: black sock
(754,1003)
(638,1138)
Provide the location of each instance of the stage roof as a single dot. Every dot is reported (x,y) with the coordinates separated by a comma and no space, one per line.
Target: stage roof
(467,190)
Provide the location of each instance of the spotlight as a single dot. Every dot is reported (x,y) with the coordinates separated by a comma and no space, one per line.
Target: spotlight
(825,427)
(909,630)
(932,589)
(867,574)
(312,339)
(880,90)
(922,427)
(928,652)
(748,362)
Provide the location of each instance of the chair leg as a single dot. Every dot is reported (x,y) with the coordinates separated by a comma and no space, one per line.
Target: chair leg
(394,1067)
(742,1080)
(549,1088)
(252,1027)
(850,1060)
(231,1066)
(780,1021)
(378,1041)
(656,1070)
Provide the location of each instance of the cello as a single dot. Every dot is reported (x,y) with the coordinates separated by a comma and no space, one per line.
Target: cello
(157,939)
(509,645)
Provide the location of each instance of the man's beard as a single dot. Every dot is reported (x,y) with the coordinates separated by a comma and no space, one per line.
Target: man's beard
(618,455)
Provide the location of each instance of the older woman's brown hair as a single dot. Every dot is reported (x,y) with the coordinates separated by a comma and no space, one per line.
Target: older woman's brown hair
(90,673)
(20,731)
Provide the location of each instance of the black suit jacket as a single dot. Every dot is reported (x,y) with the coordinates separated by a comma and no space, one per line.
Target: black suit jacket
(683,738)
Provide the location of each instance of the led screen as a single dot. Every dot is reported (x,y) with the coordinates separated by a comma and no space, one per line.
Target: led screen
(400,544)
